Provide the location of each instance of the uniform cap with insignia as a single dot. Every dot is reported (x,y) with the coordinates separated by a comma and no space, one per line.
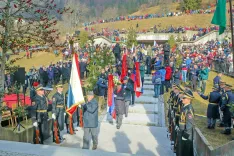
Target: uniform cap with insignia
(39,87)
(188,94)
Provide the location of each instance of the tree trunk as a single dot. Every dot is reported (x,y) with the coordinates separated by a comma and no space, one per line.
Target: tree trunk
(2,76)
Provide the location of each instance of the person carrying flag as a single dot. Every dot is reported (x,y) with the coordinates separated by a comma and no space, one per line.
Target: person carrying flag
(119,104)
(127,94)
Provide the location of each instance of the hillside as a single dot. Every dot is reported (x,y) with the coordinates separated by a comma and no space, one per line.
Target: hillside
(201,20)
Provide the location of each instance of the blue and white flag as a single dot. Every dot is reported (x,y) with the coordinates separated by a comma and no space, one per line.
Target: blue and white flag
(75,93)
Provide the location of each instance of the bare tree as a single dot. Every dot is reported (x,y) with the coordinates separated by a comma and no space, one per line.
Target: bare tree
(26,21)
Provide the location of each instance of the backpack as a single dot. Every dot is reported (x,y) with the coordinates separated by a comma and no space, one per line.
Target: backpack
(96,90)
(157,79)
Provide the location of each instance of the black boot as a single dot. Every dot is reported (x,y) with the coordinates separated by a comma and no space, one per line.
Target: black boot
(221,124)
(226,132)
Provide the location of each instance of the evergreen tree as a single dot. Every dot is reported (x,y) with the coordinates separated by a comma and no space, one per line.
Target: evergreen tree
(131,37)
(98,61)
(171,41)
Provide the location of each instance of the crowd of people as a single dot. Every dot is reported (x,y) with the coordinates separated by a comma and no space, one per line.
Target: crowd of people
(150,16)
(190,66)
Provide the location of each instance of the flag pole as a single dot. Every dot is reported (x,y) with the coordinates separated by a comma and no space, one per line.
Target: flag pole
(231,20)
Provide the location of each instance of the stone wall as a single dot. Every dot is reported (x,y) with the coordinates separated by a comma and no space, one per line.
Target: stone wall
(203,148)
(200,144)
(25,135)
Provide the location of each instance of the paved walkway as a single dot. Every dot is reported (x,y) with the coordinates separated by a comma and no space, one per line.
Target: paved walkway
(143,132)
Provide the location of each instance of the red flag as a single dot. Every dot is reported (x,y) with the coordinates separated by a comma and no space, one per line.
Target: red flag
(137,84)
(110,89)
(138,76)
(124,67)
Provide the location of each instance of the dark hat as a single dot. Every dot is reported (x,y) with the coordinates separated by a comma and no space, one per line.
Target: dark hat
(125,78)
(39,87)
(188,94)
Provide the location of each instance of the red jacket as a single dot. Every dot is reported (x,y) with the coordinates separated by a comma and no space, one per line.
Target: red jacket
(168,73)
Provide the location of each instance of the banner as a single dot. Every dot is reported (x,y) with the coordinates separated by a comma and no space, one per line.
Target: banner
(75,93)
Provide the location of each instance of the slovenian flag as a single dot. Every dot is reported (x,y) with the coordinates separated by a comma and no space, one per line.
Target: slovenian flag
(110,97)
(75,94)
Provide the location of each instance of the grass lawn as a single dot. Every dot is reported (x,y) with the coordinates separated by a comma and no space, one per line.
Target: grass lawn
(39,59)
(200,107)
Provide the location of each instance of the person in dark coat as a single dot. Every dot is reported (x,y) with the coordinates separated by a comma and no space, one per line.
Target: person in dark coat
(217,79)
(65,74)
(227,98)
(176,76)
(58,109)
(57,74)
(117,52)
(50,72)
(212,111)
(102,86)
(90,120)
(127,94)
(119,104)
(45,78)
(83,66)
(148,64)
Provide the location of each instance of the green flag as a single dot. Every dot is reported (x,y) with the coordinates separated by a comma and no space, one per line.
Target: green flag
(219,17)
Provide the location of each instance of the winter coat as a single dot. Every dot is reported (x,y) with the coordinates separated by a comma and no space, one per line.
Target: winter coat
(168,73)
(117,49)
(204,74)
(90,116)
(127,91)
(177,78)
(83,66)
(50,74)
(163,73)
(157,76)
(119,102)
(101,87)
(142,70)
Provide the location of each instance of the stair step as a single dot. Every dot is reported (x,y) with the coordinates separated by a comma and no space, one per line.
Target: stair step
(136,119)
(144,109)
(146,99)
(148,89)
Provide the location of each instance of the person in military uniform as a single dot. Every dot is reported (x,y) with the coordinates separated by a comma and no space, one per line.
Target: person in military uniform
(127,94)
(40,109)
(222,85)
(226,100)
(58,109)
(119,104)
(185,129)
(213,107)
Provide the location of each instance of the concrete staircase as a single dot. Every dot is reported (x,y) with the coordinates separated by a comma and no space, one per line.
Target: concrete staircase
(145,110)
(143,134)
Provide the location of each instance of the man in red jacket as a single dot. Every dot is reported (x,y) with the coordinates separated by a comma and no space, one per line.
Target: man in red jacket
(168,77)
